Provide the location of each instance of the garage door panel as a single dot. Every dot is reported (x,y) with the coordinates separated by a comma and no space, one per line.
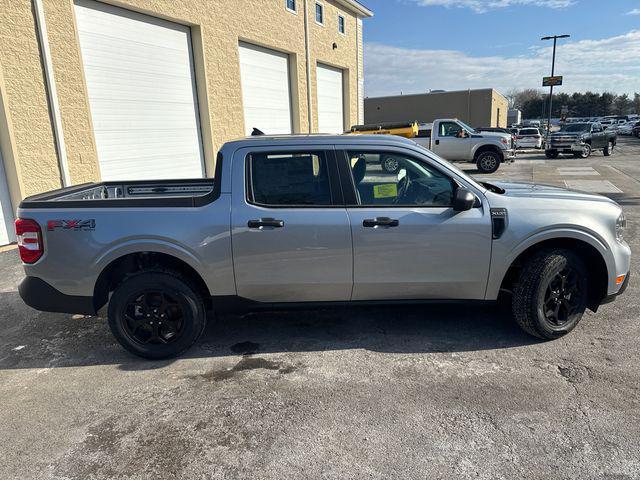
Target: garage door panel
(266,95)
(330,99)
(141,88)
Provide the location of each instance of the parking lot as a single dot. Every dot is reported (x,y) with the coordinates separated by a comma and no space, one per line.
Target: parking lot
(389,392)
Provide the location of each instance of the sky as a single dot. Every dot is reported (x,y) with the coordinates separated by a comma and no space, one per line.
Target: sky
(414,46)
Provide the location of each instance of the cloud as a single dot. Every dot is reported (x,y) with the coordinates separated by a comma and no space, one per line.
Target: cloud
(635,11)
(609,64)
(482,6)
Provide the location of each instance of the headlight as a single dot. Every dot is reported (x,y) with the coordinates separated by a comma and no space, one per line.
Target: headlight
(621,224)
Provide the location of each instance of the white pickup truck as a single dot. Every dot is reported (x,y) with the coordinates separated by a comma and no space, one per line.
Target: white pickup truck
(454,140)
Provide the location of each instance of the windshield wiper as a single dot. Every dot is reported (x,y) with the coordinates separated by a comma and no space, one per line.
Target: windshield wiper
(493,188)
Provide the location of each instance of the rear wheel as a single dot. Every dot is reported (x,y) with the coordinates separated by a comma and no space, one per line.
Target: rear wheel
(551,294)
(156,314)
(488,162)
(551,153)
(608,150)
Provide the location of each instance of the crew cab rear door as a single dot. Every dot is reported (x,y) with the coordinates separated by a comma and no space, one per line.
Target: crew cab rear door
(291,235)
(408,242)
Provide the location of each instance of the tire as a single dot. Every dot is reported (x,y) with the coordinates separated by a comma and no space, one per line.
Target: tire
(608,150)
(488,162)
(551,153)
(585,153)
(539,304)
(390,164)
(144,302)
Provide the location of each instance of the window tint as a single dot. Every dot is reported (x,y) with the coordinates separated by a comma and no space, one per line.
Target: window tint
(529,131)
(449,129)
(291,5)
(319,13)
(413,183)
(289,179)
(341,28)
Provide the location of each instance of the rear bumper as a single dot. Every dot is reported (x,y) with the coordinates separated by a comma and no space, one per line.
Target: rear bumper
(40,295)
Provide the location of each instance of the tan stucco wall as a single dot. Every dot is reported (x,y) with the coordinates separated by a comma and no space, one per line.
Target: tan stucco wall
(499,102)
(217,26)
(478,108)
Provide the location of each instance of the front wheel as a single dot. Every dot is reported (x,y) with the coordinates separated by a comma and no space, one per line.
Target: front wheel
(584,153)
(551,154)
(488,162)
(551,294)
(608,150)
(156,314)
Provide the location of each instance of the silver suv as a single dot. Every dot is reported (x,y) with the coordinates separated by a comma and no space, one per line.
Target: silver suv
(314,220)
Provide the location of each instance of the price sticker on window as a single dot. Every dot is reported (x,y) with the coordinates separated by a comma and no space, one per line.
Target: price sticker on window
(386,190)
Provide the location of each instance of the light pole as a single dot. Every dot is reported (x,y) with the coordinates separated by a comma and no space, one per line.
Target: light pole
(553,71)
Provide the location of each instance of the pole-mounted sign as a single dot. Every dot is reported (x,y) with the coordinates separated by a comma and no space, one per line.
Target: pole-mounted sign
(552,81)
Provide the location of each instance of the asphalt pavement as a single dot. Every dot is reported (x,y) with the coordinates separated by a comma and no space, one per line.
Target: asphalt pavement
(393,392)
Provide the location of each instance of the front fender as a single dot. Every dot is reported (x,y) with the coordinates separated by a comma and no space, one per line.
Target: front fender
(495,145)
(502,261)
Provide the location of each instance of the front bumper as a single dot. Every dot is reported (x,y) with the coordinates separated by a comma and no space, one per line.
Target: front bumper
(40,295)
(509,155)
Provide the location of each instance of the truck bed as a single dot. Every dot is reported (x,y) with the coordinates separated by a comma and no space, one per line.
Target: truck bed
(151,193)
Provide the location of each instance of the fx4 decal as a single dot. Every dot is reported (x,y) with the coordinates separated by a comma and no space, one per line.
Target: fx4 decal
(75,225)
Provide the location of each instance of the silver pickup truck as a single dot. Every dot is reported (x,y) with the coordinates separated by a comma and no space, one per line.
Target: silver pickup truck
(309,221)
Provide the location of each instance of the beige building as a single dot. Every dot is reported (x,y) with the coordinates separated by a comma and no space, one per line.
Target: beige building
(116,89)
(478,108)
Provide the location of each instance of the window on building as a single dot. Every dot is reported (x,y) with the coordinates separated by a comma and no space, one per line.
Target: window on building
(291,5)
(415,183)
(320,13)
(341,25)
(285,179)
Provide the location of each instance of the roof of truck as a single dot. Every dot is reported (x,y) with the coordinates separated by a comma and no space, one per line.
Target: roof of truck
(322,138)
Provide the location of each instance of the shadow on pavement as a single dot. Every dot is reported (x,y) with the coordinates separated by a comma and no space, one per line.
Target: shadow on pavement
(34,339)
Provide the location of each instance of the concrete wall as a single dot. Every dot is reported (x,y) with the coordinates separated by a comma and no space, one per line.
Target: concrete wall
(217,27)
(478,108)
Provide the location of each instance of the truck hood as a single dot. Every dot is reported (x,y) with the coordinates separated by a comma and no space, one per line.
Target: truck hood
(492,134)
(535,190)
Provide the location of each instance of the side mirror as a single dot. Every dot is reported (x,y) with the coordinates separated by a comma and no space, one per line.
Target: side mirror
(463,200)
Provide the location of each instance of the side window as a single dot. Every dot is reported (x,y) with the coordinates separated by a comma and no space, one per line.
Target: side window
(449,129)
(291,5)
(341,25)
(389,179)
(596,128)
(289,179)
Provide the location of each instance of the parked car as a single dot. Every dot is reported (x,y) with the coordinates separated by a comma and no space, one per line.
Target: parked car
(636,131)
(580,140)
(627,128)
(452,139)
(529,138)
(296,221)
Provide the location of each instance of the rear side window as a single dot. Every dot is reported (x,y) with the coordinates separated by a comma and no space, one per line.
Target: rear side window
(289,179)
(529,131)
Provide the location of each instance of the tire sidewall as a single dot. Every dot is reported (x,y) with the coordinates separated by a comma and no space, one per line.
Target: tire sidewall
(194,311)
(556,263)
(608,150)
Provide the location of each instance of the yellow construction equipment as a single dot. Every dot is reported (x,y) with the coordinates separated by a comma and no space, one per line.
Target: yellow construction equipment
(402,129)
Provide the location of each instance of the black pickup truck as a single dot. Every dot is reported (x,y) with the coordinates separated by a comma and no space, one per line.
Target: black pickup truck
(580,140)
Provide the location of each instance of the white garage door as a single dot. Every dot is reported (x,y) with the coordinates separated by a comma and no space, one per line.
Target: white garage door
(139,73)
(330,100)
(266,96)
(6,211)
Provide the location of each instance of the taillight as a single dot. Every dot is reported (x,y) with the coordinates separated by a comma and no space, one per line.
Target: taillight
(29,240)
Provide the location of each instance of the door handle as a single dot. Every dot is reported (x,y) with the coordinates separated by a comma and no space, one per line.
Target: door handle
(437,142)
(265,222)
(380,222)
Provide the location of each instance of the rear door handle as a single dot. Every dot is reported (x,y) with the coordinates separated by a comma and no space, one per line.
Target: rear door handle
(265,222)
(380,222)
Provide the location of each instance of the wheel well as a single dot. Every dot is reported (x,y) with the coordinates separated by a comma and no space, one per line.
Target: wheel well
(133,263)
(486,148)
(598,274)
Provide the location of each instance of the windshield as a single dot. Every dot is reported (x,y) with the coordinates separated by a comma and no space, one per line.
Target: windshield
(467,127)
(452,168)
(576,127)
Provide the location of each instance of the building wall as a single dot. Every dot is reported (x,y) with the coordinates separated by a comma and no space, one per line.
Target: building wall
(217,27)
(478,108)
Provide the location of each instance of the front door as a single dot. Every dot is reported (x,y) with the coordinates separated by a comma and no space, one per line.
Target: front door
(451,141)
(408,242)
(290,230)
